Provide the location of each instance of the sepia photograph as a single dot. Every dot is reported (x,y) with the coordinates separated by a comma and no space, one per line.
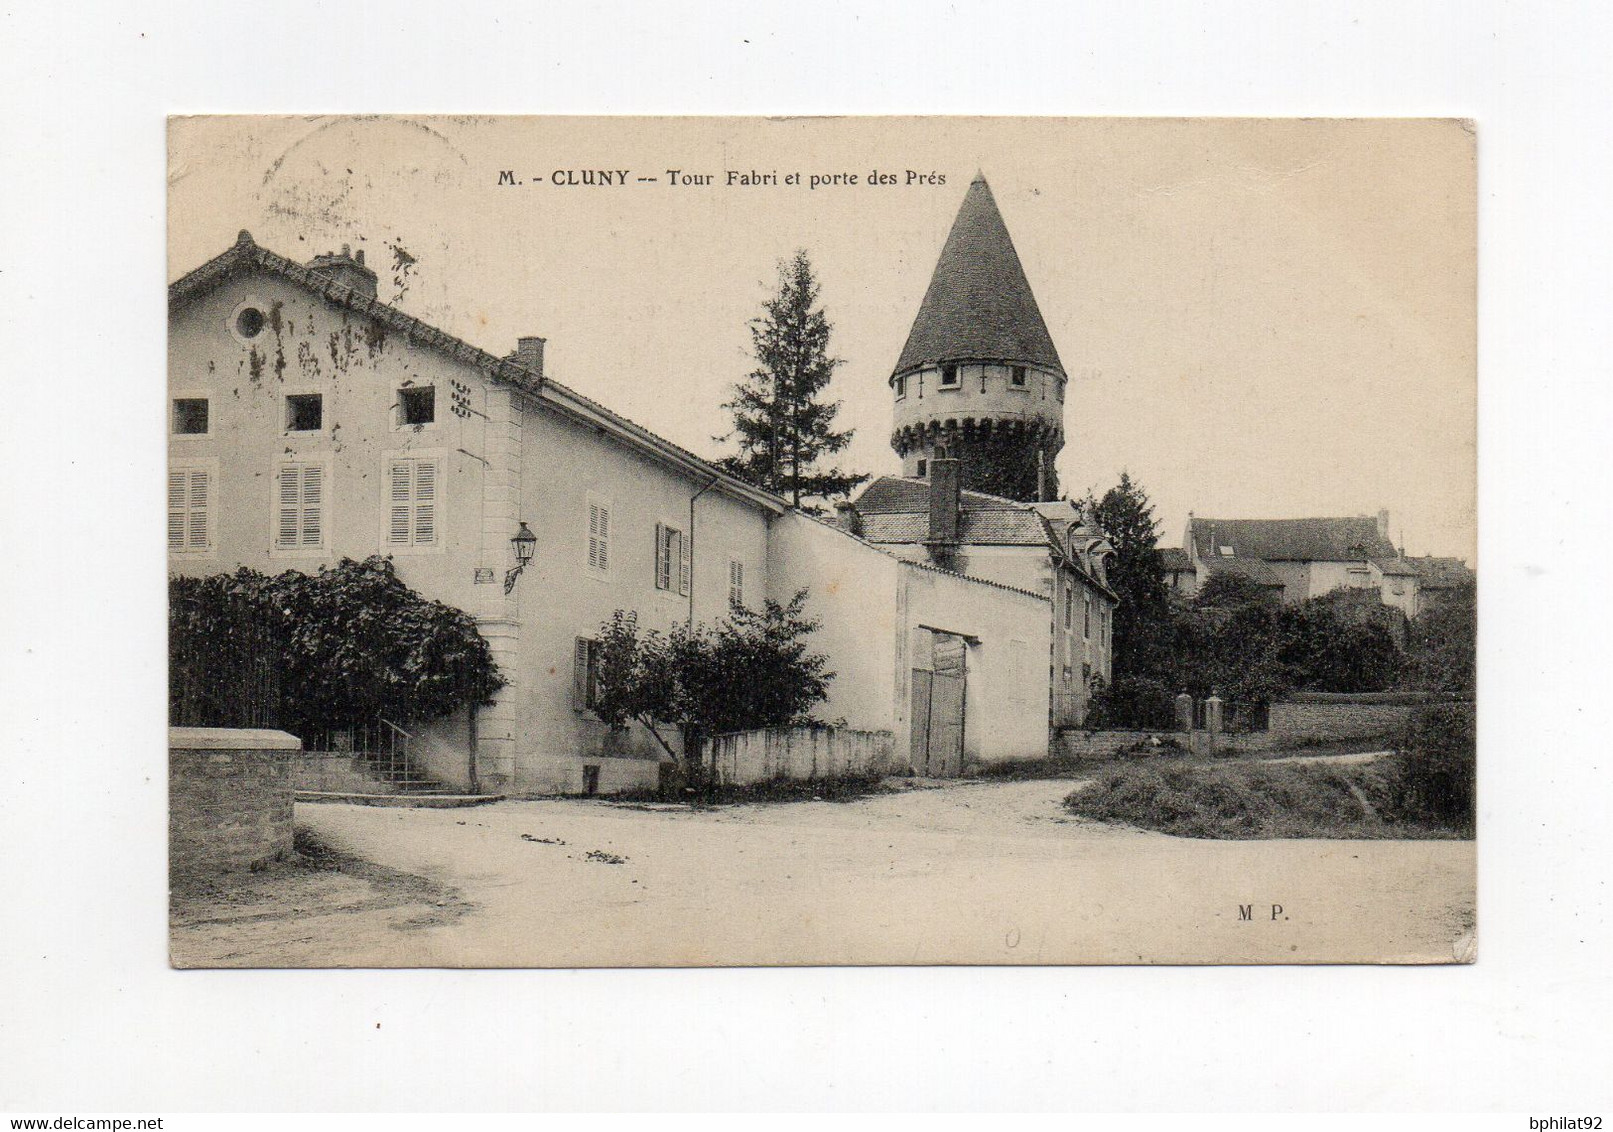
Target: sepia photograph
(646,542)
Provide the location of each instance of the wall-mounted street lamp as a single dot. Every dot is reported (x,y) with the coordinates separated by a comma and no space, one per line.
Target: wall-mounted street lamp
(525,543)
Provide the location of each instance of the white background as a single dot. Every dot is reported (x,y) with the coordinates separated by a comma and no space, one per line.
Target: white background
(91,1019)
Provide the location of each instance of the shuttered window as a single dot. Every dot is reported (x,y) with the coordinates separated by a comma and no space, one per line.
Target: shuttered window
(300,506)
(671,559)
(190,492)
(585,674)
(598,534)
(1086,616)
(736,582)
(412,500)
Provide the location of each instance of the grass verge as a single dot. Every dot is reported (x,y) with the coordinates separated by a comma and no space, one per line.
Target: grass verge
(1247,801)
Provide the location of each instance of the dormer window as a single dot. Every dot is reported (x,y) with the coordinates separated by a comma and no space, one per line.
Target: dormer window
(417,405)
(949,377)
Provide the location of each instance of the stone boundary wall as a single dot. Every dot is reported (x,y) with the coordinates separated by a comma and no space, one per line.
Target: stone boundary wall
(1315,720)
(744,757)
(334,772)
(1320,717)
(230,798)
(1069,743)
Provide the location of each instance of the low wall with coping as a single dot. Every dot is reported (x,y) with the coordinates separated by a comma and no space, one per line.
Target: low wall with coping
(230,798)
(744,757)
(1321,717)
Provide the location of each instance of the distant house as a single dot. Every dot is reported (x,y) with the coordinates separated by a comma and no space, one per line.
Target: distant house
(1440,579)
(1177,568)
(1307,558)
(1040,548)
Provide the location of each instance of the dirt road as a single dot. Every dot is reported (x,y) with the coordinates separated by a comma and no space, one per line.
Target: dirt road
(968,873)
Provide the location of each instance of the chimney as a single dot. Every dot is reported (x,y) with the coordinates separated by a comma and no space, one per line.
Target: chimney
(847,518)
(943,501)
(529,354)
(347,268)
(1383,522)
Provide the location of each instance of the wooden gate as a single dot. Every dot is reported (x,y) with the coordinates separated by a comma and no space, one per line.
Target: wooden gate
(938,708)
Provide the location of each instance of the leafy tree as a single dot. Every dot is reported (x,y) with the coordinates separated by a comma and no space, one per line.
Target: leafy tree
(751,670)
(1232,591)
(348,645)
(781,426)
(759,671)
(1326,648)
(1442,646)
(638,676)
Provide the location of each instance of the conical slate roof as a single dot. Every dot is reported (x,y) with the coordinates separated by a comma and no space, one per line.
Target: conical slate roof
(979,306)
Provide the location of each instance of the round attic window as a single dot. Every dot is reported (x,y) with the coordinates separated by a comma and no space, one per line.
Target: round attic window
(249,322)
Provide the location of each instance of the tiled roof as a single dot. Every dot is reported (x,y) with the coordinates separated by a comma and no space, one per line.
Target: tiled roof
(1353,539)
(899,494)
(1396,567)
(987,528)
(246,255)
(1174,558)
(1253,569)
(979,305)
(1444,573)
(895,510)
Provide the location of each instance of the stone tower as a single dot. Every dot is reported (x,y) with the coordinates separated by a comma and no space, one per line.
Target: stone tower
(979,380)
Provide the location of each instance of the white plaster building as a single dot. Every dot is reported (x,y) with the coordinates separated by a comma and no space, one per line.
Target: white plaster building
(309,422)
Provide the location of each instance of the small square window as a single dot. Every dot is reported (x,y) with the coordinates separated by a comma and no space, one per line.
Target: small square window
(1018,376)
(190,416)
(417,405)
(305,412)
(949,376)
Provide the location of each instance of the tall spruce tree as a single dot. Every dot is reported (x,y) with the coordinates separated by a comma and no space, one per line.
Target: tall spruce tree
(780,425)
(1142,628)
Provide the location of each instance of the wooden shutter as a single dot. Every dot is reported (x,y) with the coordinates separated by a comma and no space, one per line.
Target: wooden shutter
(663,571)
(178,482)
(584,673)
(288,520)
(412,514)
(579,674)
(399,528)
(683,563)
(425,502)
(313,504)
(197,506)
(598,535)
(736,583)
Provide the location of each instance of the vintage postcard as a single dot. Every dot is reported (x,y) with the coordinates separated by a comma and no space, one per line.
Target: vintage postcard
(743,541)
